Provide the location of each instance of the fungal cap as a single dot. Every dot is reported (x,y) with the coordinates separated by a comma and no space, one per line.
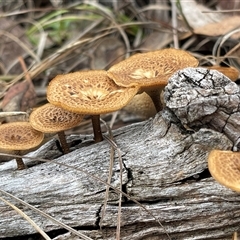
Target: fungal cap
(49,119)
(88,92)
(231,72)
(224,167)
(151,69)
(19,136)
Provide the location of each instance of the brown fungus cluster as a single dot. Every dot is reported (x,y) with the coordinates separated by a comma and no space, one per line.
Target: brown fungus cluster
(96,92)
(72,96)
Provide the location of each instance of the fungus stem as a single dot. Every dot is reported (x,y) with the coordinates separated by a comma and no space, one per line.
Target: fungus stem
(155,96)
(97,128)
(63,141)
(20,163)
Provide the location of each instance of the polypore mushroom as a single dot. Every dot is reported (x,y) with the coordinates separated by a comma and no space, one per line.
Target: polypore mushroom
(224,167)
(17,136)
(89,92)
(150,71)
(231,72)
(50,119)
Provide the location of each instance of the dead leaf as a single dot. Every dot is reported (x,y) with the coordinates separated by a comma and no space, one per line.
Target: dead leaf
(220,28)
(19,97)
(196,15)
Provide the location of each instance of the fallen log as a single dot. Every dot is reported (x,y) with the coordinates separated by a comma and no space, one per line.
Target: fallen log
(165,169)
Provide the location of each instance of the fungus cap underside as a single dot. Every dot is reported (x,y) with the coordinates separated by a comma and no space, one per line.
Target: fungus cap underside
(49,118)
(224,167)
(88,92)
(19,136)
(151,69)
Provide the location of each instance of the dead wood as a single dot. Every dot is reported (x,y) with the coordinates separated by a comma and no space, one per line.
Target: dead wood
(165,170)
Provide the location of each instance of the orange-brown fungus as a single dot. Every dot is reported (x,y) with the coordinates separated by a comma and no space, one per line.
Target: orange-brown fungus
(151,68)
(88,92)
(224,167)
(19,136)
(49,118)
(231,72)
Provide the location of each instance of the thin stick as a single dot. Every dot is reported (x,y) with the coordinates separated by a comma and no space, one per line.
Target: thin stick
(21,213)
(24,67)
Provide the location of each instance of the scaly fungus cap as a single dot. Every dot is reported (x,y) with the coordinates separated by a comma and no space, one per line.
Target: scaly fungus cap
(88,92)
(19,136)
(151,69)
(49,119)
(224,167)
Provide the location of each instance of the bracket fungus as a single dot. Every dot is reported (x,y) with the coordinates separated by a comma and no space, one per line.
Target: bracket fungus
(18,136)
(150,71)
(91,93)
(224,167)
(50,119)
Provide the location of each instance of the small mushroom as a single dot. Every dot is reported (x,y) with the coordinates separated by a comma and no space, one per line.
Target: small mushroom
(150,71)
(89,92)
(231,72)
(17,136)
(50,119)
(224,167)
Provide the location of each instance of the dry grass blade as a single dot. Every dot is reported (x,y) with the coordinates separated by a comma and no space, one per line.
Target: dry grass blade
(111,17)
(21,213)
(54,58)
(222,11)
(174,24)
(47,216)
(19,12)
(235,236)
(113,148)
(9,114)
(219,43)
(95,178)
(21,44)
(109,174)
(151,7)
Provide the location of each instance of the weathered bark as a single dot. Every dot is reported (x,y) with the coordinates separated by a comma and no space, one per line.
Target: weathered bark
(165,170)
(201,97)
